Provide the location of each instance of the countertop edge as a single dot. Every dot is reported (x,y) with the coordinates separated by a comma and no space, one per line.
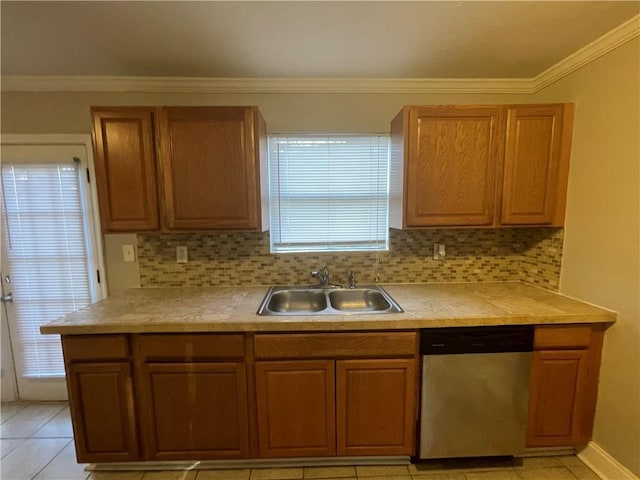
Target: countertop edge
(337,325)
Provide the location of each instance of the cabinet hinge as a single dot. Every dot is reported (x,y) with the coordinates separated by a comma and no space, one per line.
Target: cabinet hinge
(88,176)
(98,275)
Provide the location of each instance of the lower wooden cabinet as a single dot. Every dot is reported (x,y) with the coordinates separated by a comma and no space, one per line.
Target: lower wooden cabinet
(558,380)
(296,408)
(564,384)
(102,411)
(376,402)
(230,396)
(194,410)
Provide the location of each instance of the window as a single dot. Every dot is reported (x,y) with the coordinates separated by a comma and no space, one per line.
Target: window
(329,193)
(45,239)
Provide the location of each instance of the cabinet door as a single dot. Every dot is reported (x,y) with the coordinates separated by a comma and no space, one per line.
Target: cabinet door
(125,169)
(195,411)
(376,407)
(532,165)
(210,168)
(558,385)
(452,162)
(296,408)
(102,409)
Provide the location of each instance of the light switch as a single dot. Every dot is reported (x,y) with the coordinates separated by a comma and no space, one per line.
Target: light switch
(182,254)
(128,253)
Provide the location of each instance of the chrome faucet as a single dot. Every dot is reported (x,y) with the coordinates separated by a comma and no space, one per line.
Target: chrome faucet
(323,276)
(352,280)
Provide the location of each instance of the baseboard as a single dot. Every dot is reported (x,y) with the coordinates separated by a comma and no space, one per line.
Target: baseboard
(249,463)
(603,464)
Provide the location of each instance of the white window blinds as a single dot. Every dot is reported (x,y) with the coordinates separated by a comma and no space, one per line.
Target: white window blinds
(328,193)
(44,235)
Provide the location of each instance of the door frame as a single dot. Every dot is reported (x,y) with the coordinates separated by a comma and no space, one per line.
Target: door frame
(84,141)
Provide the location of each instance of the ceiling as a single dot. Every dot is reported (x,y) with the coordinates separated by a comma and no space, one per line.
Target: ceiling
(357,39)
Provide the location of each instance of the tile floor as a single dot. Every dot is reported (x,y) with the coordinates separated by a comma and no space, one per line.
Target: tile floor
(36,444)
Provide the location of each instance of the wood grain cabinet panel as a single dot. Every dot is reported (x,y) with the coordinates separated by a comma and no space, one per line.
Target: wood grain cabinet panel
(480,165)
(102,412)
(534,182)
(125,163)
(376,401)
(195,411)
(558,384)
(210,164)
(296,408)
(564,385)
(450,162)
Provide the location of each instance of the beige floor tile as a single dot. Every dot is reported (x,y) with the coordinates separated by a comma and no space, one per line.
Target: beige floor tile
(9,409)
(569,460)
(329,472)
(29,420)
(340,478)
(389,477)
(439,476)
(58,427)
(239,474)
(550,473)
(64,466)
(170,475)
(116,476)
(505,474)
(582,472)
(28,458)
(8,444)
(276,473)
(541,462)
(382,471)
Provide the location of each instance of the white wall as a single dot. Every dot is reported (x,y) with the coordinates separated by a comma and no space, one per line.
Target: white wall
(601,258)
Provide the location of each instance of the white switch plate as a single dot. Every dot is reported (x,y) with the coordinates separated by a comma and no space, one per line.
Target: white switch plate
(439,251)
(128,253)
(182,254)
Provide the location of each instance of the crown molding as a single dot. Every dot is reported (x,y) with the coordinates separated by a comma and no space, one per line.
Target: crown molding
(592,51)
(587,54)
(262,85)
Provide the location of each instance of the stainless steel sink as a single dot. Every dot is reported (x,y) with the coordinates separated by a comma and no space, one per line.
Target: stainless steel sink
(359,299)
(327,301)
(302,301)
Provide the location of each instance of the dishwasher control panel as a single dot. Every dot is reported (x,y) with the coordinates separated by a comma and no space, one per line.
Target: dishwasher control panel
(456,340)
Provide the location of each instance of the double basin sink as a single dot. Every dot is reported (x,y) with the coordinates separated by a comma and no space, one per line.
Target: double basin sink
(327,301)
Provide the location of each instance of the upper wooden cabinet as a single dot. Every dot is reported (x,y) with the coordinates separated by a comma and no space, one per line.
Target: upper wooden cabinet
(479,165)
(535,171)
(451,157)
(210,164)
(123,140)
(203,163)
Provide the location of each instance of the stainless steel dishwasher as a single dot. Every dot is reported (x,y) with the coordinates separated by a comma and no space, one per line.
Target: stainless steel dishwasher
(475,391)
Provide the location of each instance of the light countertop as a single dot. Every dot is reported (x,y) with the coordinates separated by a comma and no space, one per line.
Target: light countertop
(226,309)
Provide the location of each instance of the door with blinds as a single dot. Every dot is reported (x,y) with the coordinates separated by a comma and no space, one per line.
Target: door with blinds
(49,257)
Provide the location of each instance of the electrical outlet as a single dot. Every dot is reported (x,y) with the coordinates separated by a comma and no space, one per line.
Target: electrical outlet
(439,251)
(182,254)
(128,253)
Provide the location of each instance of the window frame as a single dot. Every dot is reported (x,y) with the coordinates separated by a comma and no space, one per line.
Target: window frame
(311,248)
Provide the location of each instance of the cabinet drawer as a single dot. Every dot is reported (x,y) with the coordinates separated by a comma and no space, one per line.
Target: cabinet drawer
(200,346)
(574,336)
(95,347)
(336,345)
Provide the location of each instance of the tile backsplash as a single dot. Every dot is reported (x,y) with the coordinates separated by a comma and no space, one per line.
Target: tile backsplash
(533,255)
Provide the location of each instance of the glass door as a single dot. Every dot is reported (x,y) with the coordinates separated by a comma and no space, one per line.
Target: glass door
(49,255)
